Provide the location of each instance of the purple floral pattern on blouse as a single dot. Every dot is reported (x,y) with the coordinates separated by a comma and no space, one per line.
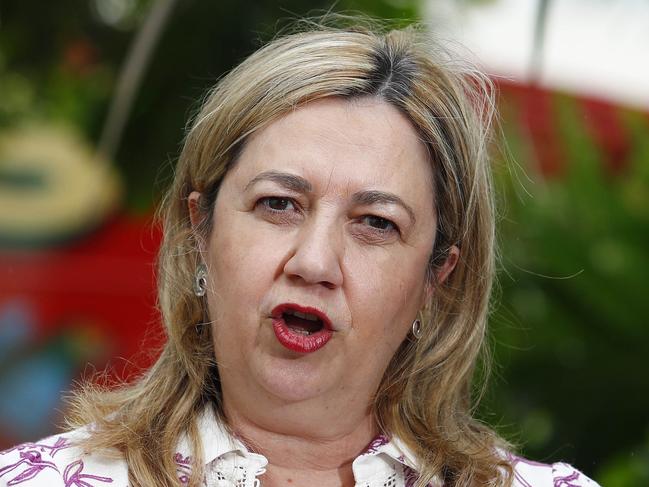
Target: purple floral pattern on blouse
(375,444)
(34,464)
(183,468)
(31,463)
(26,468)
(410,476)
(513,459)
(73,476)
(572,477)
(567,480)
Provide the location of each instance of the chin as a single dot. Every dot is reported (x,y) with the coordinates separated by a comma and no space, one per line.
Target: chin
(291,379)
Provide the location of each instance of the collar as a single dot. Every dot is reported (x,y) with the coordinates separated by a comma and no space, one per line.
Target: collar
(381,456)
(216,441)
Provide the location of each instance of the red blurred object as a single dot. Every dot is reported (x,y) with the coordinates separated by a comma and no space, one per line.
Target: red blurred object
(106,278)
(604,123)
(602,120)
(538,119)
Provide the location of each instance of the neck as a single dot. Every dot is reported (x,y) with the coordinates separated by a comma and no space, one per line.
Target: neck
(320,454)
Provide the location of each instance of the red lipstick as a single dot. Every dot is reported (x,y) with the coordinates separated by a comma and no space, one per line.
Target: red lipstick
(301,329)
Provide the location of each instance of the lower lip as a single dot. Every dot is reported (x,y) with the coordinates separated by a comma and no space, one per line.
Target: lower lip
(298,342)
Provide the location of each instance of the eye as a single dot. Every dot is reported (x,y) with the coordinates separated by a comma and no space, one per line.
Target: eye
(276,203)
(379,223)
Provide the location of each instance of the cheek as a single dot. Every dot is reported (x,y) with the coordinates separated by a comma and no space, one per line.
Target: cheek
(241,270)
(235,251)
(242,267)
(386,294)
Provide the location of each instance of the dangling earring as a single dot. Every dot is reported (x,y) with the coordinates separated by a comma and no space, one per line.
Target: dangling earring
(416,329)
(200,280)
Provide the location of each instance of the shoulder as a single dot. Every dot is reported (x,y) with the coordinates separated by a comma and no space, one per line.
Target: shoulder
(534,474)
(59,461)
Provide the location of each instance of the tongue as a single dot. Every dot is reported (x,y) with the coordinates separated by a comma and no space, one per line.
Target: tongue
(301,325)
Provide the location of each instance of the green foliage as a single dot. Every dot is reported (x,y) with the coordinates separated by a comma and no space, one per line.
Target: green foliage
(627,469)
(571,331)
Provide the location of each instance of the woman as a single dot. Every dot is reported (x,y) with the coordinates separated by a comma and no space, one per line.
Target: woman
(324,282)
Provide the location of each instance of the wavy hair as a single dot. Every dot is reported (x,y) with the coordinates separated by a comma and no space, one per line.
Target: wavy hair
(427,395)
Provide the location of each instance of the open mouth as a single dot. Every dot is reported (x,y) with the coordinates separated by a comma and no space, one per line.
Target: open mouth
(303,323)
(301,329)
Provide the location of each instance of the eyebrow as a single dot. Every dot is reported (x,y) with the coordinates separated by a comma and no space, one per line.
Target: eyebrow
(301,185)
(288,180)
(372,197)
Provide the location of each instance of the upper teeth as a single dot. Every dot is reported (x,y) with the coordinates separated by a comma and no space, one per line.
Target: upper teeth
(304,316)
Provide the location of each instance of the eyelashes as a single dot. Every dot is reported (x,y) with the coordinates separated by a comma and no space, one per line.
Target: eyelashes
(380,223)
(278,210)
(277,203)
(286,210)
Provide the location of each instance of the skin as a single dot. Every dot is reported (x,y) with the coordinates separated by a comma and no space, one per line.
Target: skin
(362,263)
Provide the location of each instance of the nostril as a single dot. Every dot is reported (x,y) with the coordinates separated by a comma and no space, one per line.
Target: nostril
(300,278)
(329,276)
(316,257)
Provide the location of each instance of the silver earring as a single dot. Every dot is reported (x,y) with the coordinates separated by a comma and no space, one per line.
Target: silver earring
(416,329)
(200,280)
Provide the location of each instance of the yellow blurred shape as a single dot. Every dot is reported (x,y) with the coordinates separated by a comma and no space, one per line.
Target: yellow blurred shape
(52,186)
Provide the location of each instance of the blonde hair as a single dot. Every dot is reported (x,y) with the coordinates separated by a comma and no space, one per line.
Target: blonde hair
(425,398)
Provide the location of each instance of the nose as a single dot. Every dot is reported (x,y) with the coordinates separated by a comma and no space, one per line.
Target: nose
(316,256)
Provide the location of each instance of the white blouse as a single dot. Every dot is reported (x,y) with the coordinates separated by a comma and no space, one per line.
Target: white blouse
(57,462)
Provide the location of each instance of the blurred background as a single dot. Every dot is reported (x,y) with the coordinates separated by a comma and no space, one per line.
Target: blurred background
(94,95)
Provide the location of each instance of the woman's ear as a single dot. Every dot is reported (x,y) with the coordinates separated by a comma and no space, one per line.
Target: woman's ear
(194,204)
(448,266)
(196,217)
(444,271)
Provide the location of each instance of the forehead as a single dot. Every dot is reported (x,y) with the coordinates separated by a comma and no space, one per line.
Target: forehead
(343,146)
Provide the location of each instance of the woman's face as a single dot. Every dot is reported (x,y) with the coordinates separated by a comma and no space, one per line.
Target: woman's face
(329,212)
